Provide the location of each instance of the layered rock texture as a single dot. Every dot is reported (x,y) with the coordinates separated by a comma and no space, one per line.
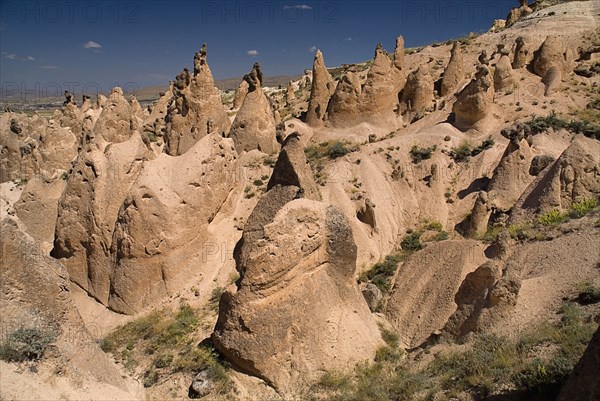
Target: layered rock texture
(474,102)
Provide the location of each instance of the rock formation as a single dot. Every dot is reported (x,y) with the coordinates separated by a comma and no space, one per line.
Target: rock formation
(521,53)
(573,177)
(290,96)
(552,62)
(297,303)
(417,95)
(511,177)
(117,122)
(322,88)
(345,100)
(454,73)
(477,223)
(88,208)
(438,269)
(474,102)
(503,75)
(240,95)
(254,124)
(164,219)
(196,109)
(516,14)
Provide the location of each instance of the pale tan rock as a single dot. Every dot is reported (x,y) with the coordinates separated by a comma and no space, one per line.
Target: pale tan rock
(521,53)
(417,95)
(164,219)
(474,102)
(516,14)
(503,75)
(573,177)
(196,109)
(322,88)
(552,62)
(88,209)
(240,95)
(117,122)
(479,217)
(439,269)
(254,125)
(454,73)
(345,100)
(297,304)
(290,95)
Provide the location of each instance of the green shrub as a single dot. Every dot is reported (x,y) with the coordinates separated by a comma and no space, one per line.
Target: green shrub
(552,121)
(441,236)
(553,217)
(583,207)
(26,344)
(150,378)
(381,273)
(589,294)
(412,242)
(461,153)
(418,154)
(331,150)
(435,226)
(485,145)
(332,380)
(258,183)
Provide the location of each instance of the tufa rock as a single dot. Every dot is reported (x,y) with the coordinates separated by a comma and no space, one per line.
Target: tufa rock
(521,53)
(552,62)
(454,72)
(474,102)
(240,95)
(196,109)
(322,88)
(417,95)
(254,125)
(503,74)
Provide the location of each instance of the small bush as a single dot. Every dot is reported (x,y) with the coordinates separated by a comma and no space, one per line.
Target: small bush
(461,153)
(588,295)
(553,217)
(418,154)
(435,226)
(25,344)
(333,381)
(412,242)
(583,207)
(552,121)
(150,378)
(258,183)
(381,273)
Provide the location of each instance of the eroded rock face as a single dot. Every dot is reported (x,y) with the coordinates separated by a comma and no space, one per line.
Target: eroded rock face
(438,269)
(322,88)
(297,310)
(254,125)
(503,75)
(298,304)
(573,177)
(117,122)
(88,208)
(552,62)
(240,95)
(475,100)
(511,176)
(454,73)
(164,219)
(417,94)
(374,102)
(517,13)
(521,53)
(290,95)
(196,109)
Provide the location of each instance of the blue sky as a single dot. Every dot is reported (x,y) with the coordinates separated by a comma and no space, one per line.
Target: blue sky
(141,43)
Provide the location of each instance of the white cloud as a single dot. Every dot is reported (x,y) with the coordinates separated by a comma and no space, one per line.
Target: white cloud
(11,56)
(313,49)
(298,6)
(49,67)
(92,45)
(348,39)
(252,53)
(29,58)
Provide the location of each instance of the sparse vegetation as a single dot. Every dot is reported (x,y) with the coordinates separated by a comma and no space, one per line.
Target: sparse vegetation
(553,217)
(552,121)
(588,294)
(26,344)
(464,151)
(381,273)
(412,242)
(418,154)
(331,150)
(168,339)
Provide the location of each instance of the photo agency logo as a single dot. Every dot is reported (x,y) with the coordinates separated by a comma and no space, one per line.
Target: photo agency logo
(40,91)
(71,12)
(441,11)
(269,12)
